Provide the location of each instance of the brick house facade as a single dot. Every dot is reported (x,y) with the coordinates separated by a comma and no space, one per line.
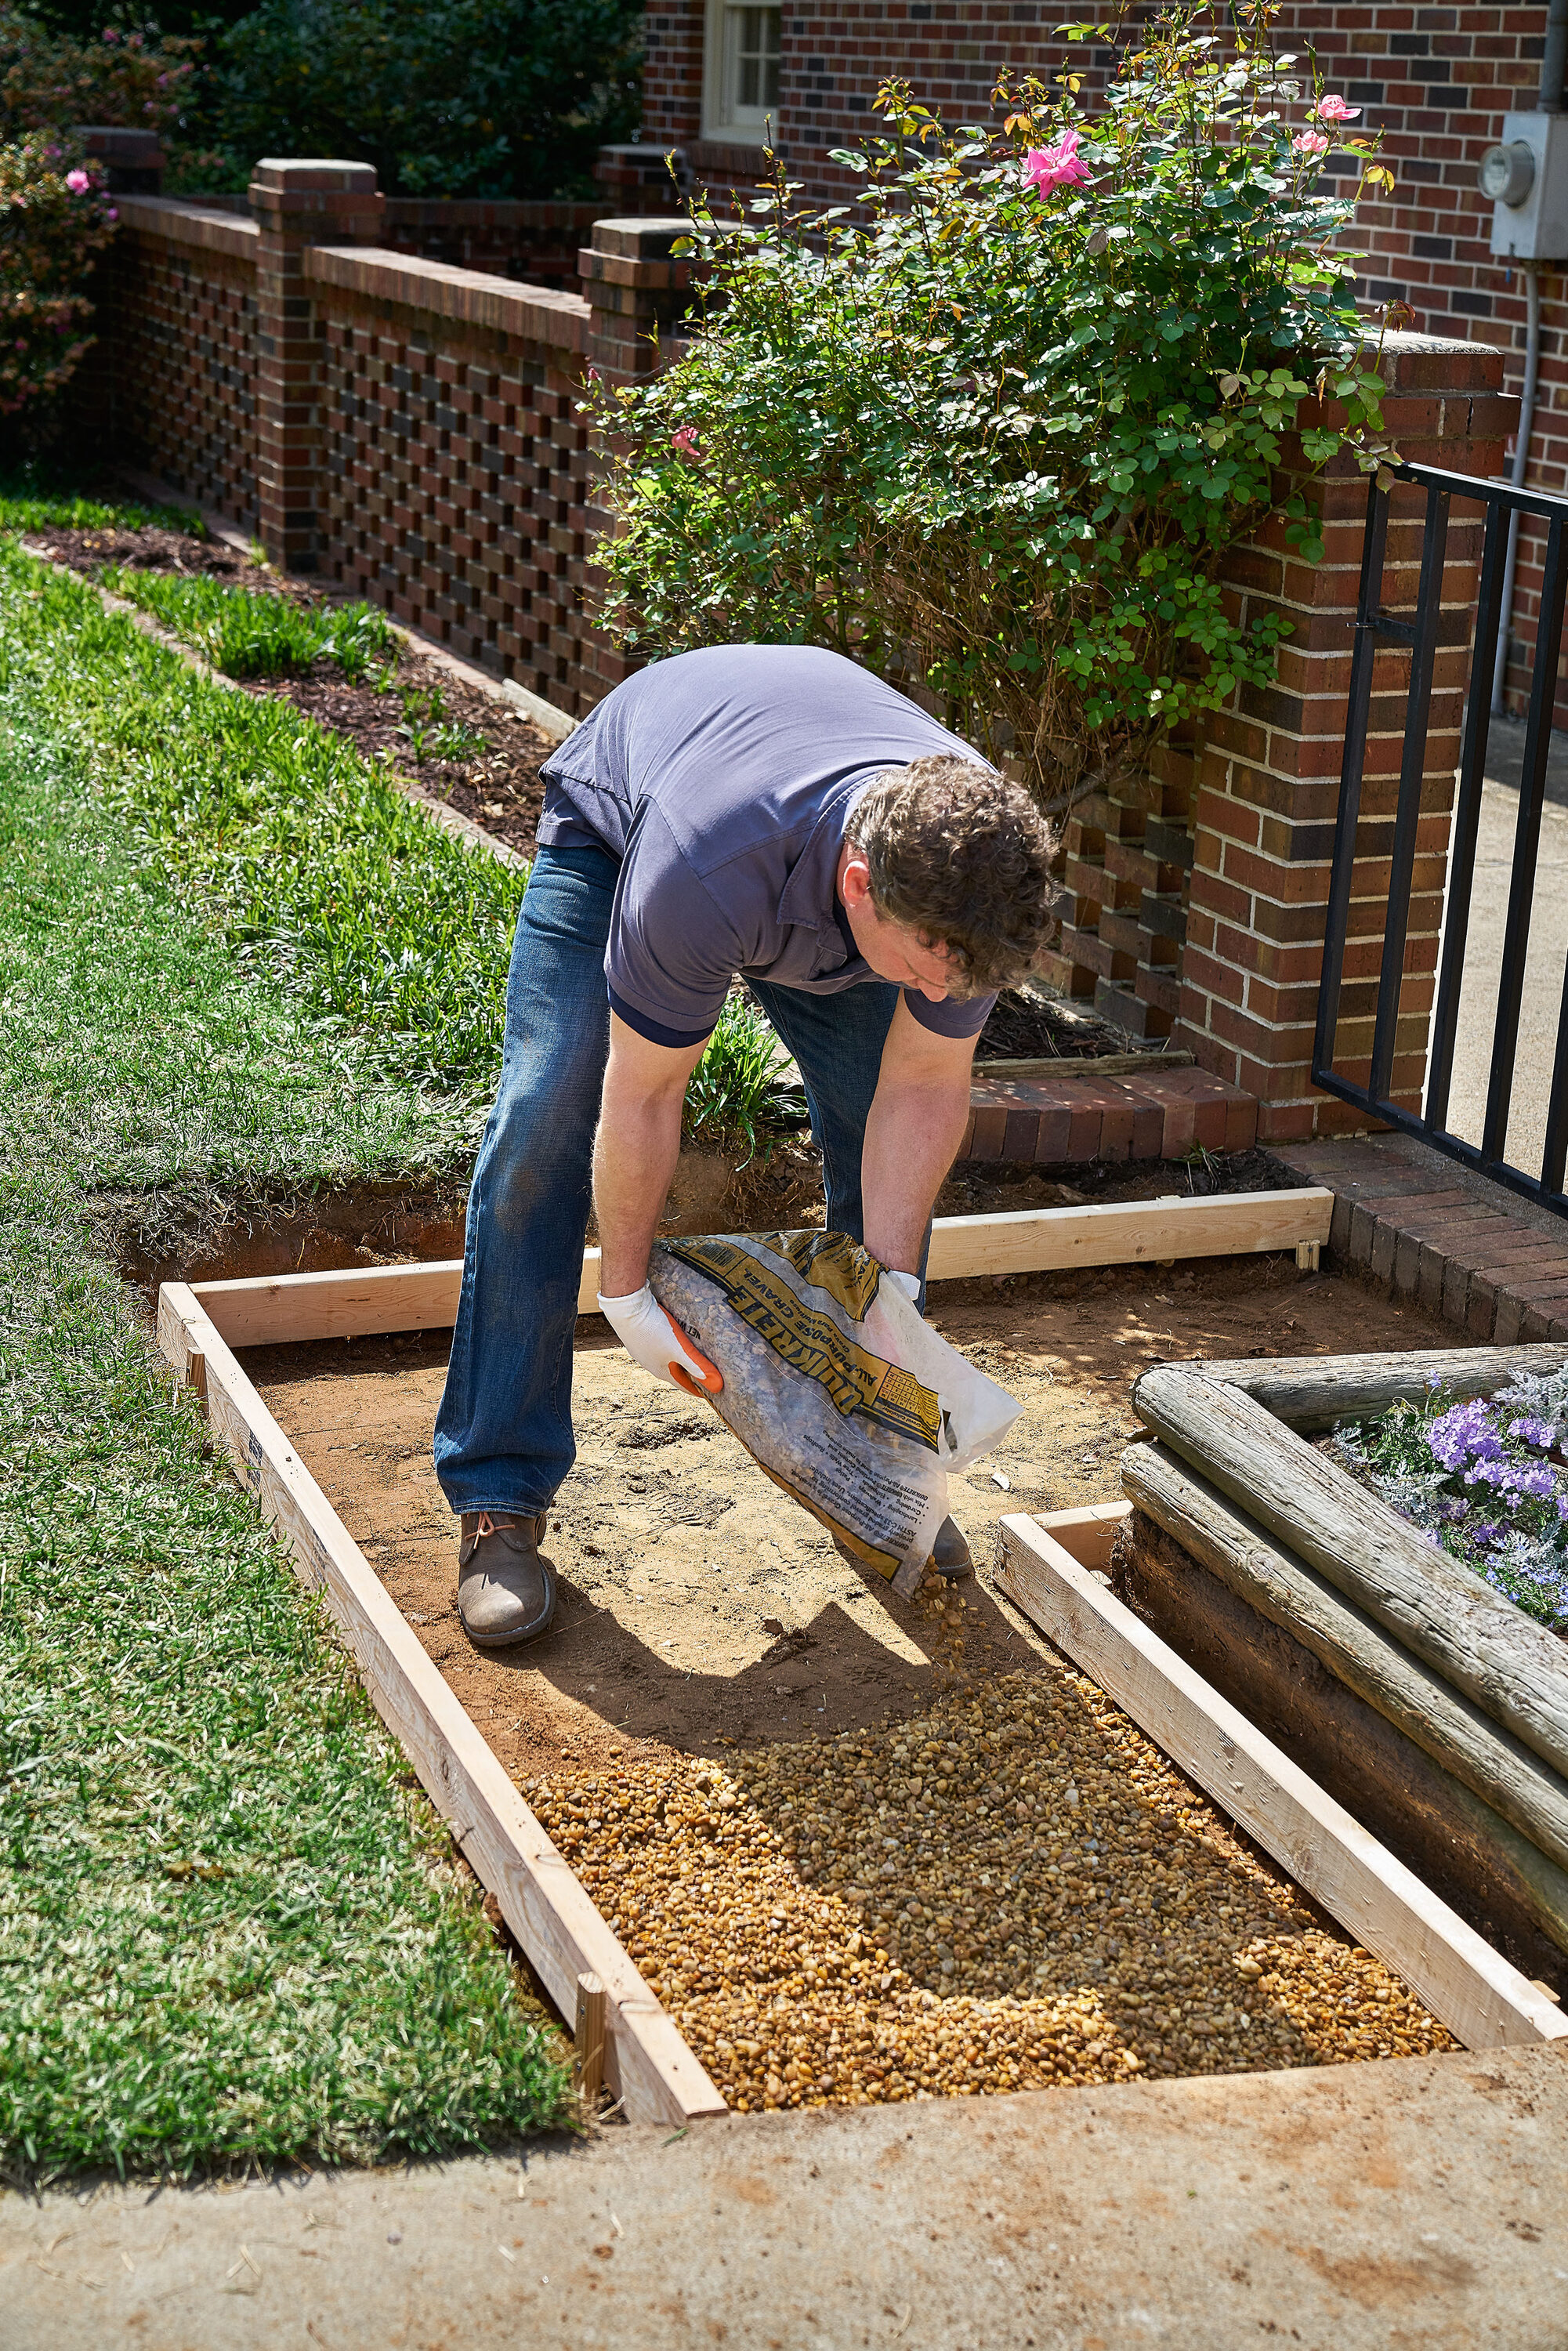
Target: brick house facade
(1438,81)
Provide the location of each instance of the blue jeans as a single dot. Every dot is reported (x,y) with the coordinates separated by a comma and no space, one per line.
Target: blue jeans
(503,1434)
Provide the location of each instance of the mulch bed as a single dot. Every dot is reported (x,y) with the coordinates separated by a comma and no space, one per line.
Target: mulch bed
(496,784)
(1028,1025)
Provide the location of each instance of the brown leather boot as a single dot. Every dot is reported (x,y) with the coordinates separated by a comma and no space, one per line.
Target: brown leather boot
(506,1592)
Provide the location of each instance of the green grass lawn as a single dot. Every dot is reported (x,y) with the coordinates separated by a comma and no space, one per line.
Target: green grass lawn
(229,1928)
(316,868)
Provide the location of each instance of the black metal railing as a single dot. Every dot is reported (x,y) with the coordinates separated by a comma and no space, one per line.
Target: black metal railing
(1374,627)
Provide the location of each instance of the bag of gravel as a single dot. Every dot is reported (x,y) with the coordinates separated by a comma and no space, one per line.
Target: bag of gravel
(834,1384)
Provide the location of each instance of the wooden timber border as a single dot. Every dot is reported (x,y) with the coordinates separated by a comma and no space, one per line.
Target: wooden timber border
(1386,1660)
(647,2065)
(1047,1568)
(278,1309)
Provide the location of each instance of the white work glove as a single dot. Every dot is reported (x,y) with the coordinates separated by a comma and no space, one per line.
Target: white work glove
(660,1346)
(908,1283)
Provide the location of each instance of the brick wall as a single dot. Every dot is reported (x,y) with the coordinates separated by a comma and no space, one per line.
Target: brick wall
(1198,892)
(536,243)
(1437,82)
(174,374)
(410,430)
(1266,783)
(454,461)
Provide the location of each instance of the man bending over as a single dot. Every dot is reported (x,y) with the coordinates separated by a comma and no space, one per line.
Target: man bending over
(770,811)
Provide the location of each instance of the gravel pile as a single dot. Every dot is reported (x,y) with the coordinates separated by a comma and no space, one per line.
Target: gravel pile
(1013,1889)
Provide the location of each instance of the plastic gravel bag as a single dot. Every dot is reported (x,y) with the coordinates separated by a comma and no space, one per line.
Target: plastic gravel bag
(834,1384)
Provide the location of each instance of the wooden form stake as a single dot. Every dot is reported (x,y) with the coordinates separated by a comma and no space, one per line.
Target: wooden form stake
(645,2061)
(587,2071)
(281,1310)
(1470,1988)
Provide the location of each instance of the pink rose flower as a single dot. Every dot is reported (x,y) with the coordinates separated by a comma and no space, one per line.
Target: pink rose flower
(1060,165)
(685,442)
(78,183)
(1332,108)
(111,214)
(1311,143)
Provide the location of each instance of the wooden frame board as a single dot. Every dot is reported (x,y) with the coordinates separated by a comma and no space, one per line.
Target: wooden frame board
(285,1308)
(647,2065)
(1045,1570)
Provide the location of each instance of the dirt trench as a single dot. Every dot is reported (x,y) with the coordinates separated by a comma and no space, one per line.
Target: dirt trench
(866,1850)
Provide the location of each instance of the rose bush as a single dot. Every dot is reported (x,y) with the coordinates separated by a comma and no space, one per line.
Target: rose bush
(53,219)
(993,429)
(49,81)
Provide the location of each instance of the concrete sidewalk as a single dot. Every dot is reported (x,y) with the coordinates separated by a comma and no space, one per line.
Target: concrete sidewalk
(1421,2203)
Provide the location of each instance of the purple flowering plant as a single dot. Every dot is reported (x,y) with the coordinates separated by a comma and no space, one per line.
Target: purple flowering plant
(1485,1477)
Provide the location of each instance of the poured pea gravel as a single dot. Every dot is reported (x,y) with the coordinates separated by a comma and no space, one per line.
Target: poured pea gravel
(1010,1890)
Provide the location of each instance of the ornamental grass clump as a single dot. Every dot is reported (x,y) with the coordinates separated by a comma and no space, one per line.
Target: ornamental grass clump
(994,429)
(1486,1478)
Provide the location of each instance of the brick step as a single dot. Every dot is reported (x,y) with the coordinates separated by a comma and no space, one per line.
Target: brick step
(1434,1232)
(1149,1114)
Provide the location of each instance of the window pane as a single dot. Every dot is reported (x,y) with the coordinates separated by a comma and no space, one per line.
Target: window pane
(754,34)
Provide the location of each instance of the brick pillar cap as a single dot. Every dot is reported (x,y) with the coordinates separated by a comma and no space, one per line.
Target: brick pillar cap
(291,174)
(1400,340)
(119,140)
(649,238)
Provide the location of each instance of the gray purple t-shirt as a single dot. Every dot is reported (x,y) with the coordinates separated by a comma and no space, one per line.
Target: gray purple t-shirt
(723,780)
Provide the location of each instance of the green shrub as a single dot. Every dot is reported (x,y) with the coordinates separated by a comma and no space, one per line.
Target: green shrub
(995,433)
(741,1088)
(52,80)
(462,98)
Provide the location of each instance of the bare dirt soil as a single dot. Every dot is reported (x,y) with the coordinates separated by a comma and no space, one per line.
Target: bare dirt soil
(777,1188)
(724,1729)
(697,1601)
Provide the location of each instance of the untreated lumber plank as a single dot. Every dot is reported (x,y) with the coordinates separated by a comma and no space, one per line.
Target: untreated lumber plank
(1317,1391)
(285,1308)
(648,2064)
(1513,1668)
(1482,2000)
(277,1310)
(1128,1232)
(1507,1780)
(1088,1533)
(282,1310)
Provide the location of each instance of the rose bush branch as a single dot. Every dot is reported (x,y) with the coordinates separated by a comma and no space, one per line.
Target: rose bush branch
(994,429)
(53,219)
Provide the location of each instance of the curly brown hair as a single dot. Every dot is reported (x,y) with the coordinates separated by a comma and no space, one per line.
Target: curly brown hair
(962,856)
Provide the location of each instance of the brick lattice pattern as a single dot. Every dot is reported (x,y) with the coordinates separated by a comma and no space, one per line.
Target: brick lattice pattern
(454,465)
(179,319)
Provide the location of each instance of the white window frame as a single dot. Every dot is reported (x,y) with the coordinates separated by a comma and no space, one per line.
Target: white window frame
(723,117)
